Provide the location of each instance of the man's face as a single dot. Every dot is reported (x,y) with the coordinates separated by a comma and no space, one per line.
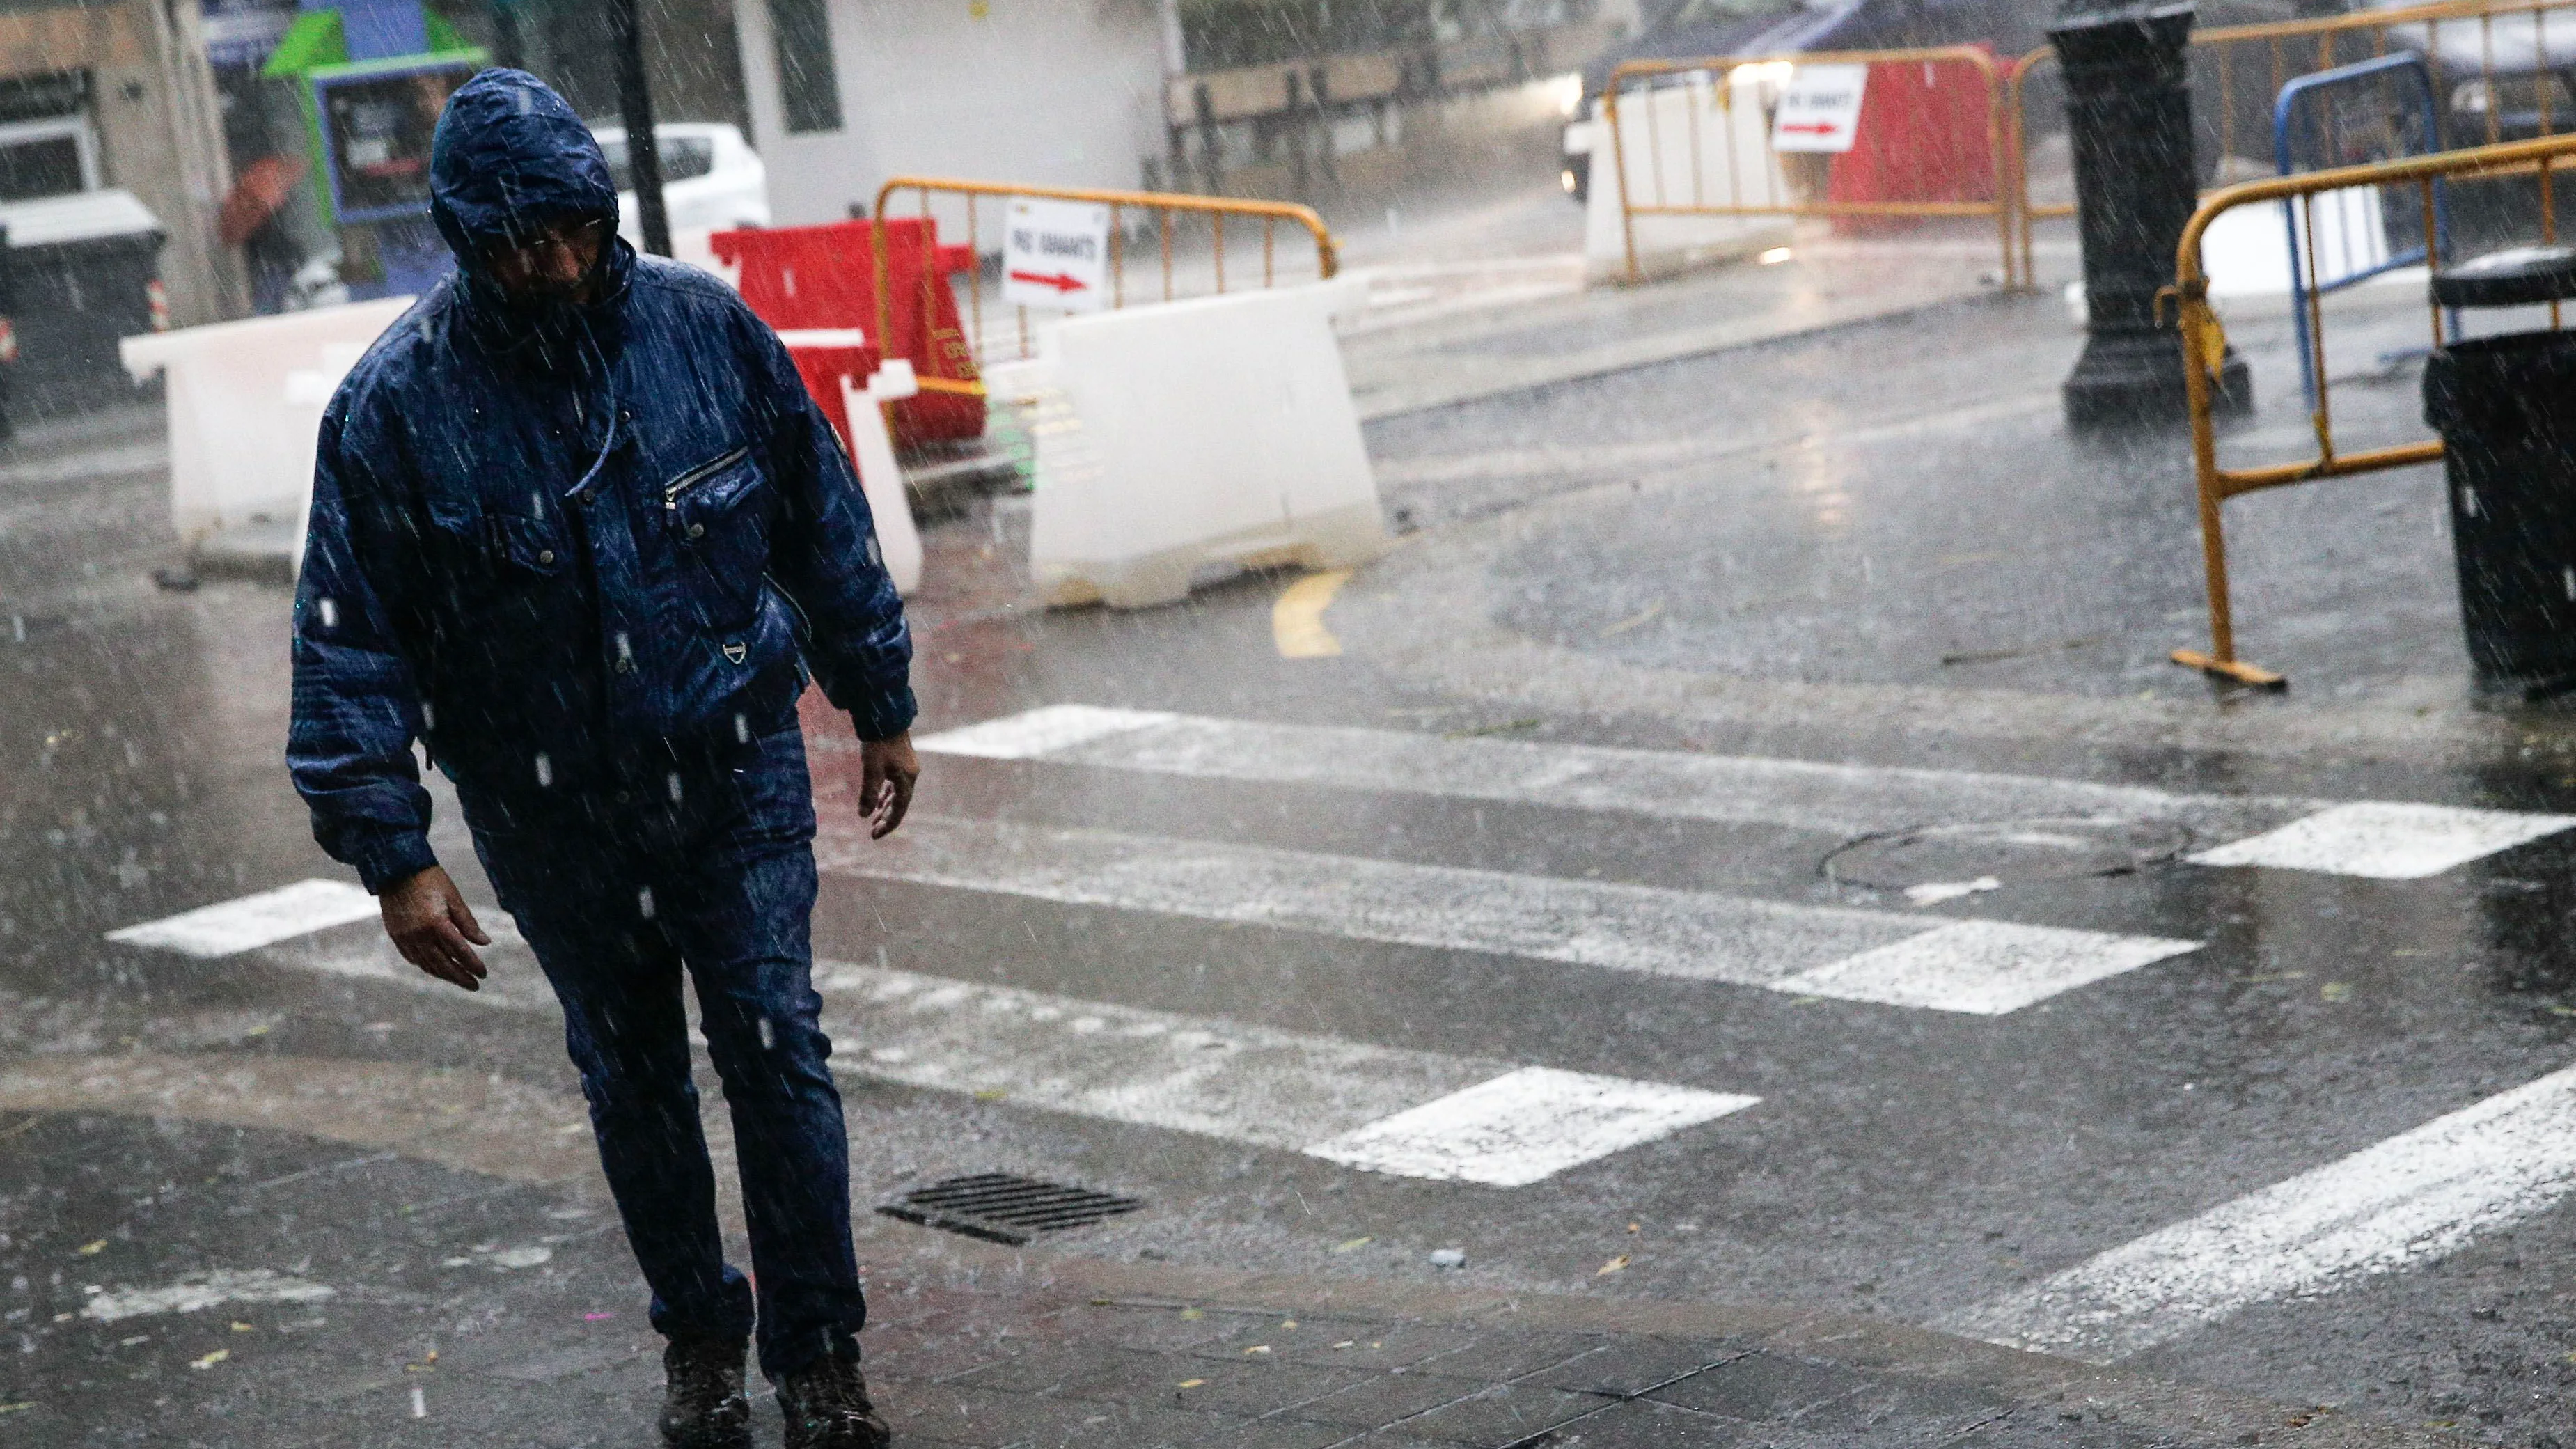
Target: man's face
(555,265)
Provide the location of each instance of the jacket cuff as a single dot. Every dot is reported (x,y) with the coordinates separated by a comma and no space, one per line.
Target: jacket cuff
(387,859)
(883,716)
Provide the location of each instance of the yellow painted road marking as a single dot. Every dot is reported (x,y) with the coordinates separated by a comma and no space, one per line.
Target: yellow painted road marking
(1635,621)
(1297,620)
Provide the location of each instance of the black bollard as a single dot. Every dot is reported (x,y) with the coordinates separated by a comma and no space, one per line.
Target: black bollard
(2128,110)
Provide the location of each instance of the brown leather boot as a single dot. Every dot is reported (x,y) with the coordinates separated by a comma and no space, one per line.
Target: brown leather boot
(702,1402)
(826,1404)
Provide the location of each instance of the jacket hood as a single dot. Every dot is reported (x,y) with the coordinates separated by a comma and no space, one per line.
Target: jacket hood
(509,158)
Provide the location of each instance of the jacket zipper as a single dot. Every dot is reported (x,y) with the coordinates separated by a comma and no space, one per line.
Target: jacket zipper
(698,475)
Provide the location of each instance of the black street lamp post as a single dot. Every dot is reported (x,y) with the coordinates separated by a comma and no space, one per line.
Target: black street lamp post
(2128,111)
(635,108)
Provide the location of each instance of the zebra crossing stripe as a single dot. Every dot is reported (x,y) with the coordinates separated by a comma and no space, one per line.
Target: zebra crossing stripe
(1980,967)
(1523,1127)
(2413,1199)
(1378,1109)
(2373,839)
(514,984)
(1841,799)
(1987,967)
(2383,840)
(254,921)
(1403,1113)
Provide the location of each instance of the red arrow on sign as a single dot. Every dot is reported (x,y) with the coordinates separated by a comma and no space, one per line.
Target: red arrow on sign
(1809,128)
(1061,281)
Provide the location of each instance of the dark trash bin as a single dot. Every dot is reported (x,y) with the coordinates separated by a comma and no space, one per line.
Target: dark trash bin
(87,274)
(2506,409)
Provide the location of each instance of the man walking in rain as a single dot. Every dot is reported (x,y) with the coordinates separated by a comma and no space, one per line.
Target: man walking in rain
(577,529)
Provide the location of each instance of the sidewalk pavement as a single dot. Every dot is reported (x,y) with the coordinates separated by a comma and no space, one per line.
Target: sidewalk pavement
(1085,1352)
(459,1280)
(1441,335)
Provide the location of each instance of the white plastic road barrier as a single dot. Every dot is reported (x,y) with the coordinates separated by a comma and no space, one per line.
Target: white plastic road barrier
(1187,434)
(880,477)
(862,423)
(2246,252)
(1734,165)
(241,429)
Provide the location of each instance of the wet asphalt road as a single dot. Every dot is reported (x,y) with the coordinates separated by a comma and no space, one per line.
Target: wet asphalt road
(1835,514)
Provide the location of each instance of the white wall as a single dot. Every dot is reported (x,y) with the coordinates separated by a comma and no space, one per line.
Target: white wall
(1062,92)
(1623,12)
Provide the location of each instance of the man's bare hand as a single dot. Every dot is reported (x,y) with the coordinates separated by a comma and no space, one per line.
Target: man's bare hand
(887,769)
(434,929)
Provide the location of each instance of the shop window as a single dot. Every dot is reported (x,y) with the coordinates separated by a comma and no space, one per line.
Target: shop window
(44,95)
(809,92)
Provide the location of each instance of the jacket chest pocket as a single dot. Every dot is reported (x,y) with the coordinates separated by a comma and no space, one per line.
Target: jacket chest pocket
(527,548)
(718,514)
(501,559)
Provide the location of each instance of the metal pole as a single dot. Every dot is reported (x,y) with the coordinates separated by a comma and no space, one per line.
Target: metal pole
(509,40)
(1211,141)
(635,107)
(2128,111)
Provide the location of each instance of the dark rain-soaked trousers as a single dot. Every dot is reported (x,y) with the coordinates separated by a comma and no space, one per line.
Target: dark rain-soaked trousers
(618,889)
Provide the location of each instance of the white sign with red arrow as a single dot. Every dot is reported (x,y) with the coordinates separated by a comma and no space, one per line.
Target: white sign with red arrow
(1056,254)
(1819,108)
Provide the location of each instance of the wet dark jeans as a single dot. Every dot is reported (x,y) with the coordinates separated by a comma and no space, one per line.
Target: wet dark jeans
(706,866)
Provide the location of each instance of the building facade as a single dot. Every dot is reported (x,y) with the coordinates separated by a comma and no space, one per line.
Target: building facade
(844,93)
(119,96)
(1328,101)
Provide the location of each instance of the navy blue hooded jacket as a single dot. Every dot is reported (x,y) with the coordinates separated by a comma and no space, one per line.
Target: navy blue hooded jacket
(567,548)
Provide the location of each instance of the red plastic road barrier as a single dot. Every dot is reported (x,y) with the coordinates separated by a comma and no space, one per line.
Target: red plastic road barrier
(822,369)
(807,277)
(1922,137)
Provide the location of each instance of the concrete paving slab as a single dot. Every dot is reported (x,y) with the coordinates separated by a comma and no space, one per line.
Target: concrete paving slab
(1644,1424)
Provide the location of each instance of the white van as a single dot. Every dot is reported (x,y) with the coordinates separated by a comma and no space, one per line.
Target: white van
(711,178)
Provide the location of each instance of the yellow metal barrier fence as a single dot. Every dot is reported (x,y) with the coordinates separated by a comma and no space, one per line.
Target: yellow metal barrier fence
(1178,248)
(2204,343)
(1779,201)
(2288,49)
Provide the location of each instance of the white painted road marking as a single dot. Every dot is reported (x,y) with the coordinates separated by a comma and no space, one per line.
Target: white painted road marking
(1524,1127)
(1978,967)
(1047,731)
(2387,841)
(1404,1113)
(514,983)
(253,921)
(2409,1200)
(202,1291)
(1839,799)
(1988,968)
(1366,1106)
(2382,840)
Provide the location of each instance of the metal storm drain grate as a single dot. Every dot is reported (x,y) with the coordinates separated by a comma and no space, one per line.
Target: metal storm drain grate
(1989,854)
(1001,1207)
